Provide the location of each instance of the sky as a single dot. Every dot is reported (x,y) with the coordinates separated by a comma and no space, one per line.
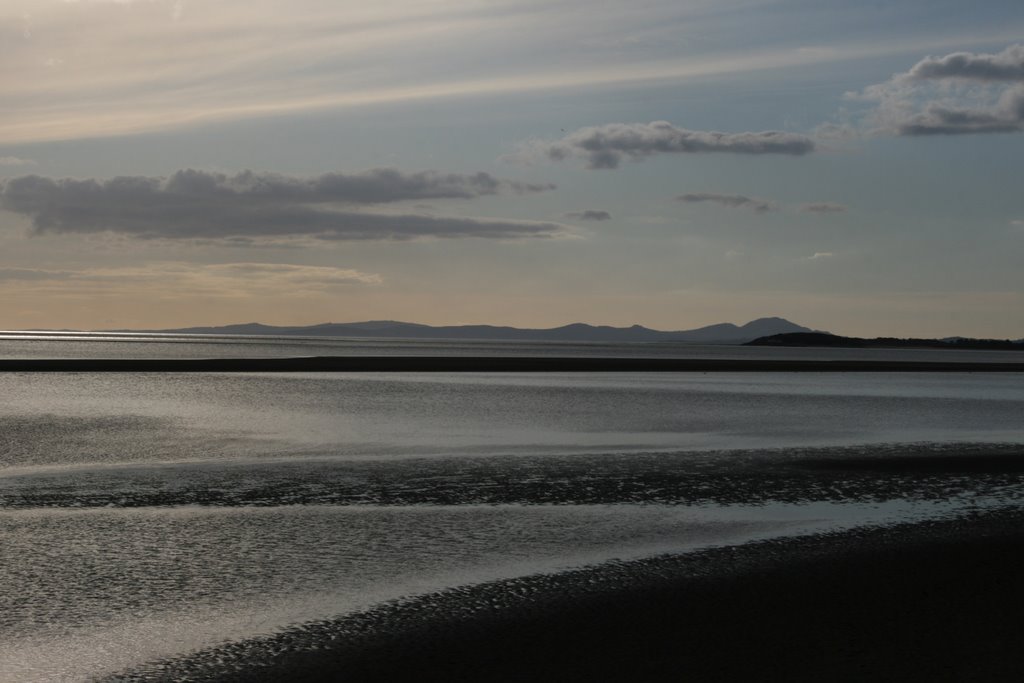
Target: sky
(851,166)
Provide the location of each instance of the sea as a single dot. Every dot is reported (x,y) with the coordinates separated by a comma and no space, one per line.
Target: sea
(147,518)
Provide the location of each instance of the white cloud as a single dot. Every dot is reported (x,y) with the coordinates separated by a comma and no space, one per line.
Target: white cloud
(820,255)
(16,161)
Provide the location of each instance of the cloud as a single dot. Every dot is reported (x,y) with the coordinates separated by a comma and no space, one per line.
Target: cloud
(16,161)
(285,273)
(822,207)
(199,205)
(820,255)
(1006,116)
(960,93)
(606,146)
(733,255)
(166,64)
(1007,65)
(837,132)
(32,274)
(1017,223)
(757,204)
(730,200)
(377,186)
(588,215)
(173,278)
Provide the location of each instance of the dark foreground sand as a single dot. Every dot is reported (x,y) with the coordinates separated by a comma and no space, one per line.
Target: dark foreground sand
(935,601)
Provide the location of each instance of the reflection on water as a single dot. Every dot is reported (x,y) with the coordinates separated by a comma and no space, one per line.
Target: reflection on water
(102,590)
(142,345)
(111,418)
(148,515)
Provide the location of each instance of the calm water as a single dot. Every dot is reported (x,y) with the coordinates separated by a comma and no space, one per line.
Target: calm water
(156,345)
(147,516)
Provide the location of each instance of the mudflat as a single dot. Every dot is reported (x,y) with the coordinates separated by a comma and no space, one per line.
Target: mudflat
(937,601)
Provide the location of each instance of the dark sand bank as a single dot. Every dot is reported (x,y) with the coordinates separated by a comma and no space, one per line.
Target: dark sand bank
(937,601)
(488,364)
(933,473)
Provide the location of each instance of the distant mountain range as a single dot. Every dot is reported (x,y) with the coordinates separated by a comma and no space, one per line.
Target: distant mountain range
(723,333)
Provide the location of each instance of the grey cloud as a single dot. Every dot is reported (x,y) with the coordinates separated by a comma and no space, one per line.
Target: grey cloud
(1007,116)
(730,200)
(822,207)
(588,215)
(377,186)
(1007,65)
(527,188)
(608,145)
(958,94)
(199,205)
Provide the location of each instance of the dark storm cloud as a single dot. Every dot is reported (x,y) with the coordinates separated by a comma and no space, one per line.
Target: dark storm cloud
(1007,65)
(200,205)
(822,207)
(730,200)
(608,145)
(588,215)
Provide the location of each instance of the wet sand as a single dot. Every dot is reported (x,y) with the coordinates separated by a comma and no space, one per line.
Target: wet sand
(937,601)
(488,364)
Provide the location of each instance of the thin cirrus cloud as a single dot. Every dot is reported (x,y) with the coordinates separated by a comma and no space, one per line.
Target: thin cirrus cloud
(608,145)
(218,279)
(250,206)
(33,274)
(588,215)
(959,93)
(729,200)
(756,204)
(94,68)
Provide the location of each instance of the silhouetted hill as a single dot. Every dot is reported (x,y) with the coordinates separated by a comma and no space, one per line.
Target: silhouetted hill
(723,333)
(823,339)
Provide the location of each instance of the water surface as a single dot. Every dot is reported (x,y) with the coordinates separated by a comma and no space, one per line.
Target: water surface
(149,515)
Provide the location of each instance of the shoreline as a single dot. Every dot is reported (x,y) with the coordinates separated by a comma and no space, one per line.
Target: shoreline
(934,600)
(487,364)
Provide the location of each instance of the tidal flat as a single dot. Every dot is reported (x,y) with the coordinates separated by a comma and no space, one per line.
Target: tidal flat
(495,525)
